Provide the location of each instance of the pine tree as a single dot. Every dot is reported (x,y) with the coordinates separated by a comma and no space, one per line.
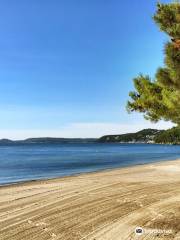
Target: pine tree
(160,98)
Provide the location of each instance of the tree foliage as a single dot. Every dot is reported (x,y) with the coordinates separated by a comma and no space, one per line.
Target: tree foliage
(159,98)
(170,136)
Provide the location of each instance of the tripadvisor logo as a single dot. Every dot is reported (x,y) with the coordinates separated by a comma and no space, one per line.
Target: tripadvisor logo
(139,231)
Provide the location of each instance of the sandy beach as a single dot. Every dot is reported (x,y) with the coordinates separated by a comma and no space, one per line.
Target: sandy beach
(105,205)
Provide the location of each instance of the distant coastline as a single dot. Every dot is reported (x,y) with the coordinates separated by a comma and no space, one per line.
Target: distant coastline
(47,140)
(148,136)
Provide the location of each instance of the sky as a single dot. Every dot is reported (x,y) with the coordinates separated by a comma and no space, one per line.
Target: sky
(66,67)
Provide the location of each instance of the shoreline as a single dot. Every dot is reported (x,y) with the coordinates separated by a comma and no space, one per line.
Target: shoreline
(99,205)
(81,173)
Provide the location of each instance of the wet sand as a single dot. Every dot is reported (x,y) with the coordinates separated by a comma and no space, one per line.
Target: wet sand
(105,205)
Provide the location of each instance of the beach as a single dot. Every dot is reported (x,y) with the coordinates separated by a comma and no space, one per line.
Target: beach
(105,205)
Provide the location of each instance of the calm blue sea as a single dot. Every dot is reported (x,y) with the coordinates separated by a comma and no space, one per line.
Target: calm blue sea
(28,162)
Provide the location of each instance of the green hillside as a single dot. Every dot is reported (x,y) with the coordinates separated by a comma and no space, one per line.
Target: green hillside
(170,136)
(146,135)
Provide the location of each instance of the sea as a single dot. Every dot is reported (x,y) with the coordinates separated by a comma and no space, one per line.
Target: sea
(43,161)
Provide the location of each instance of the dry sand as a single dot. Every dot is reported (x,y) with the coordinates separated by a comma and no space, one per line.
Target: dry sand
(107,205)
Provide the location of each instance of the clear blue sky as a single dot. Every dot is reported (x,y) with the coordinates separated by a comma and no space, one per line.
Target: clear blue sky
(66,67)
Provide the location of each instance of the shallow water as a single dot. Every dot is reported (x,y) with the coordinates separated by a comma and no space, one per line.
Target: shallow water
(30,162)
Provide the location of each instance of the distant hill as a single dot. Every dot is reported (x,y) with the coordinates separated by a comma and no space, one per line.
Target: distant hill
(145,136)
(46,140)
(170,136)
(58,140)
(6,141)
